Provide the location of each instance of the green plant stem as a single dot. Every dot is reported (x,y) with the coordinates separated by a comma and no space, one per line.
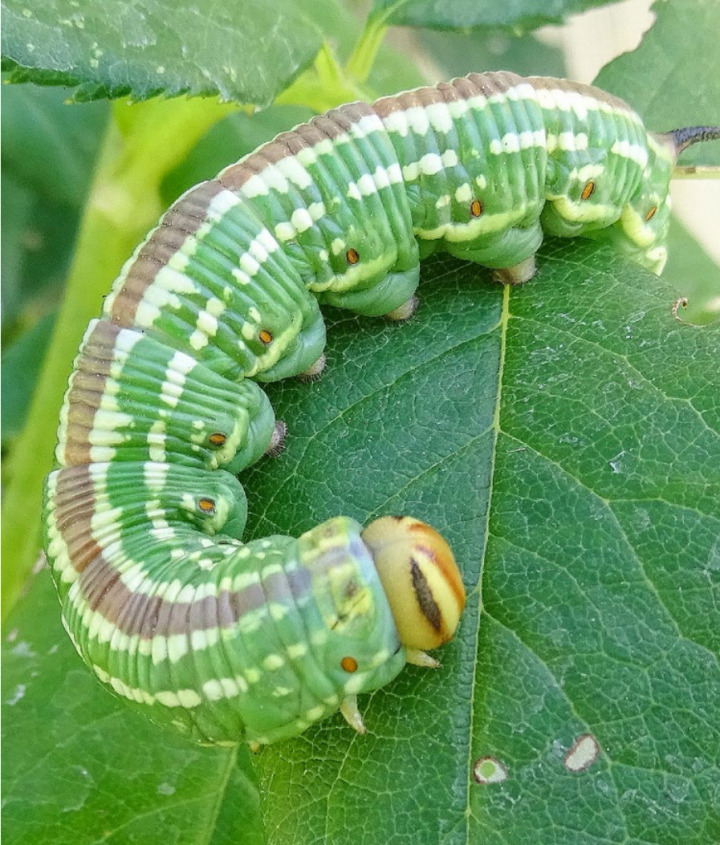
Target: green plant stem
(363,56)
(323,86)
(142,143)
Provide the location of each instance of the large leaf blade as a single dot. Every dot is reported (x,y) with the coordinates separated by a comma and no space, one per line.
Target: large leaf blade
(518,15)
(582,627)
(155,47)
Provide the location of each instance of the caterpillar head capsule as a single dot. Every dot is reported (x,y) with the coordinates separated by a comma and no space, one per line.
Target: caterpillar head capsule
(420,578)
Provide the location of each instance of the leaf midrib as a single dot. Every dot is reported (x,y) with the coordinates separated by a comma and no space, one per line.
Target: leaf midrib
(477,589)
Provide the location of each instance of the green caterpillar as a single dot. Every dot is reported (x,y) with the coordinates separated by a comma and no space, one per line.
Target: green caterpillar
(144,515)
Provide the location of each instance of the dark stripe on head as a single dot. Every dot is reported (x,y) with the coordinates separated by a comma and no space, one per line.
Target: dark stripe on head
(424,596)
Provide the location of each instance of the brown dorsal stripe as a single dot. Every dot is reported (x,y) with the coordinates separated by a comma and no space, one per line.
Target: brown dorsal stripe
(321,128)
(87,387)
(149,616)
(550,83)
(462,88)
(182,219)
(139,613)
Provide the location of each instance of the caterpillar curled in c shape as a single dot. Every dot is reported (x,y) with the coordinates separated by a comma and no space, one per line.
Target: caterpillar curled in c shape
(144,514)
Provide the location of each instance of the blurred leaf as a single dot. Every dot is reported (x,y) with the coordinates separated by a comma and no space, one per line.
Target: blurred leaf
(48,153)
(51,146)
(565,436)
(520,15)
(20,368)
(242,50)
(673,78)
(459,53)
(694,274)
(229,140)
(40,241)
(17,207)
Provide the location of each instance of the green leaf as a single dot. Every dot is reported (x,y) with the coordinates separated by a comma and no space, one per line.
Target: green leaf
(599,486)
(50,146)
(672,78)
(458,53)
(20,367)
(520,15)
(157,47)
(48,152)
(565,436)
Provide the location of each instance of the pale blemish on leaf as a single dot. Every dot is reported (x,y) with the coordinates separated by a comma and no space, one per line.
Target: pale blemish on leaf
(489,770)
(18,695)
(583,754)
(22,649)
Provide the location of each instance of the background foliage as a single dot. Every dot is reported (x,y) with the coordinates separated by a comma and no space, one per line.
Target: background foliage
(565,437)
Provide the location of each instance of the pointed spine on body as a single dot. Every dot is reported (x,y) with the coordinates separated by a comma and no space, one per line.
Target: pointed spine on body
(144,515)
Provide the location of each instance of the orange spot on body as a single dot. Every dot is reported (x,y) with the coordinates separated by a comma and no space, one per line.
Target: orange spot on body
(217,439)
(588,191)
(651,213)
(476,208)
(266,337)
(349,664)
(206,505)
(353,256)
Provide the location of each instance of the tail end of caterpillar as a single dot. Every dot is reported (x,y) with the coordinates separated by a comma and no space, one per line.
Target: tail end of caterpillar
(680,139)
(421,581)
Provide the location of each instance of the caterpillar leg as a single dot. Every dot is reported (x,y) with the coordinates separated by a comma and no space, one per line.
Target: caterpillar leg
(349,707)
(421,658)
(404,311)
(314,370)
(518,274)
(510,252)
(352,716)
(277,441)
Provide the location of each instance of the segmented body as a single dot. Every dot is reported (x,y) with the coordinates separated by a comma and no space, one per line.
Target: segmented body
(144,516)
